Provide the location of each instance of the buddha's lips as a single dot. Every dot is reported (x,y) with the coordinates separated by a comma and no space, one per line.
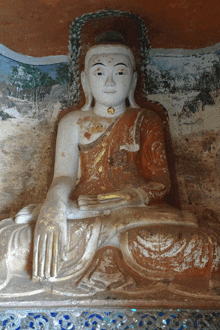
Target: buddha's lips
(110,92)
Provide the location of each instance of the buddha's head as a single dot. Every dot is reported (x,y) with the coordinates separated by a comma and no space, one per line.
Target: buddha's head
(109,76)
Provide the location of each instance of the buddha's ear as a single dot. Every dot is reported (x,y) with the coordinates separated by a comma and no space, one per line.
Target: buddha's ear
(87,91)
(131,100)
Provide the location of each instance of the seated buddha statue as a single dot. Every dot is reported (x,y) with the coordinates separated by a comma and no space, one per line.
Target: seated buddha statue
(104,225)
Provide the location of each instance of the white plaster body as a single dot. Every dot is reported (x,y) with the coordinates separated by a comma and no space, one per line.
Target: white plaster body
(110,79)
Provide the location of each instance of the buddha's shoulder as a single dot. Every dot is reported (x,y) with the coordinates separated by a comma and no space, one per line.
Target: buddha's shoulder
(154,109)
(74,117)
(149,115)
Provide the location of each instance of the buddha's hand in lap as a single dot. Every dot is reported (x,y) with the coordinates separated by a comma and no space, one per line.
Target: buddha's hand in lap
(73,211)
(50,239)
(109,201)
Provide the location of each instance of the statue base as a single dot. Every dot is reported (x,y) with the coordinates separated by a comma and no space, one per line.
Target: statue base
(184,295)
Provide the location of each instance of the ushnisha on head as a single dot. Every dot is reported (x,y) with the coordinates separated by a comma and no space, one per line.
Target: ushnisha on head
(109,77)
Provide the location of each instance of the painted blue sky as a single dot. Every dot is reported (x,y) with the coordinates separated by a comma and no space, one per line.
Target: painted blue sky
(6,63)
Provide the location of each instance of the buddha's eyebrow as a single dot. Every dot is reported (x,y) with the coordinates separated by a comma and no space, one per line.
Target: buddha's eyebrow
(98,64)
(120,64)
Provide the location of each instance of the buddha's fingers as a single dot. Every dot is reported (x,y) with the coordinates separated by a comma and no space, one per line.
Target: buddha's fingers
(110,197)
(86,197)
(98,206)
(111,200)
(35,256)
(87,201)
(55,254)
(48,260)
(42,255)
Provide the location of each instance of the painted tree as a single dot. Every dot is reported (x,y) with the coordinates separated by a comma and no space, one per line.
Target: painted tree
(29,77)
(62,73)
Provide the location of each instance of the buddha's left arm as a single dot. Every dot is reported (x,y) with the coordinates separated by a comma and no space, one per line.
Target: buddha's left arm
(151,159)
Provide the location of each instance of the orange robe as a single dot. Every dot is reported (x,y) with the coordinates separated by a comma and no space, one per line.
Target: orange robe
(130,154)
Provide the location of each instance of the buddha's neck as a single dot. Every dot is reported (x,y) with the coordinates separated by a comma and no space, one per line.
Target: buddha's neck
(105,111)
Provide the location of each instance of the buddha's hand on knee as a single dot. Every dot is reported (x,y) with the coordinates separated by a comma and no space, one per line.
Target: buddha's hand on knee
(109,201)
(50,239)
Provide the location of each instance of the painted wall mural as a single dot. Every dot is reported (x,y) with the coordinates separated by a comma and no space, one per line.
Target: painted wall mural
(26,87)
(26,82)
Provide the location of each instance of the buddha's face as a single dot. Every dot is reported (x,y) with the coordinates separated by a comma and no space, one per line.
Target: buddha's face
(110,78)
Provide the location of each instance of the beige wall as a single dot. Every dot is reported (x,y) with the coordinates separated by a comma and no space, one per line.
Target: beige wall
(196,144)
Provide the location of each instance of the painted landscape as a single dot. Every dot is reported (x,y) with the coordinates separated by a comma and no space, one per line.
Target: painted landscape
(27,88)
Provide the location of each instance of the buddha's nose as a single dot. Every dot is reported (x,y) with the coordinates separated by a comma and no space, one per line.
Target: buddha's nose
(110,80)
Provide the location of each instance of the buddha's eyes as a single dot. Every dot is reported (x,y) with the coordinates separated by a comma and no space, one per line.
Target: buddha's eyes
(120,73)
(99,74)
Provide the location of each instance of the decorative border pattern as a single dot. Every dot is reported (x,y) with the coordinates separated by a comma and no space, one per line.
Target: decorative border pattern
(75,45)
(123,319)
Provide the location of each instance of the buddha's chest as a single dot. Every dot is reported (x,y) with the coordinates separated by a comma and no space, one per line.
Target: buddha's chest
(92,127)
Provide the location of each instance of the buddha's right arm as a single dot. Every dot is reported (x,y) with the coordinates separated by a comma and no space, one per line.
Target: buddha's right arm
(66,162)
(50,236)
(66,159)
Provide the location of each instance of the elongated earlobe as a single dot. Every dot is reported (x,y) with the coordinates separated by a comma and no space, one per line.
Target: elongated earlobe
(87,91)
(131,100)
